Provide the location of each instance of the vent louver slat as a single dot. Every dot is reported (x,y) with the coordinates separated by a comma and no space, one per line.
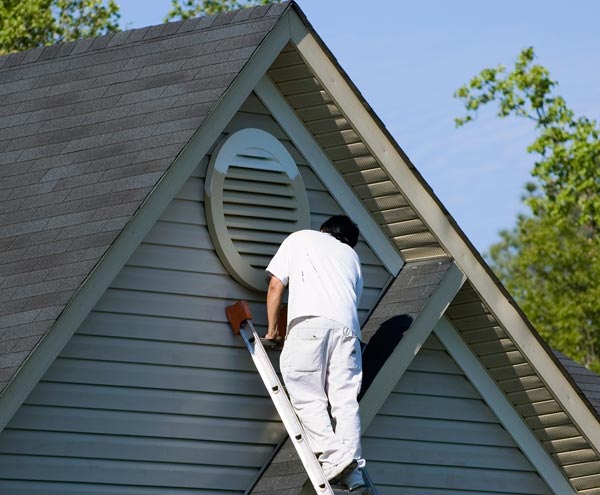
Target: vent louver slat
(258,188)
(261,199)
(267,224)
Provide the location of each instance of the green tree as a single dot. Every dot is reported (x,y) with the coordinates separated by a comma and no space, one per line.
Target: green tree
(184,9)
(550,260)
(26,24)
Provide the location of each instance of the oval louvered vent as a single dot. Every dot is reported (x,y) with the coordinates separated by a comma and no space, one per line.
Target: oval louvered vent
(255,198)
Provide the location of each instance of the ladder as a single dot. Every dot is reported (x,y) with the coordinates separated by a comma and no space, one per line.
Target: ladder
(240,318)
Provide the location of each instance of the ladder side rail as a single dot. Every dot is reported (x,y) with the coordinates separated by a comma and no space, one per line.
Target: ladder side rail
(284,408)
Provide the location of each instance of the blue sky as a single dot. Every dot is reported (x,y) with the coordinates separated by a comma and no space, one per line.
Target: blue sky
(408,57)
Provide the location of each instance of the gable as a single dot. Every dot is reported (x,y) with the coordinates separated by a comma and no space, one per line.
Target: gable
(321,205)
(391,187)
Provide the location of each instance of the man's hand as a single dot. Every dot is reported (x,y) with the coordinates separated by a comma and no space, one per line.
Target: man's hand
(274,296)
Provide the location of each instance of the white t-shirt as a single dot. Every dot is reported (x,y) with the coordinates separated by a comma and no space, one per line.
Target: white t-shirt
(324,277)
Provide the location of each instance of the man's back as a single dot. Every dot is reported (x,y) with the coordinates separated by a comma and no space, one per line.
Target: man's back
(323,274)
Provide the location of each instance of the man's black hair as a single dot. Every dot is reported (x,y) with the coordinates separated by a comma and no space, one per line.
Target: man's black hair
(342,228)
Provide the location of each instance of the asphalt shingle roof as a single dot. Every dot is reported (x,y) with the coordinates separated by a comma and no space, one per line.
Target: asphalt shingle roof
(394,314)
(587,381)
(87,129)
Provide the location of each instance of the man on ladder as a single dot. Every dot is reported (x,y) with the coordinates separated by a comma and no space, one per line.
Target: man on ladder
(321,360)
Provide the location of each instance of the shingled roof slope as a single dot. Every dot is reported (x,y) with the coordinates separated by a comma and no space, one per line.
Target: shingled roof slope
(587,381)
(87,129)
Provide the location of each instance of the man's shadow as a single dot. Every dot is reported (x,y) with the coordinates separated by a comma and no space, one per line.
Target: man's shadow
(380,347)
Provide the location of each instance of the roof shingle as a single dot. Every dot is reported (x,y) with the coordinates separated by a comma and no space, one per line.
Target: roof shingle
(587,381)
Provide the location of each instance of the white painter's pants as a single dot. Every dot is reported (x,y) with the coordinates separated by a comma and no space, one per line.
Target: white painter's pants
(321,365)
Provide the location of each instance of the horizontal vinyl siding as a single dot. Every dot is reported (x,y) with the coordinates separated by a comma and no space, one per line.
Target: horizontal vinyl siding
(154,394)
(435,435)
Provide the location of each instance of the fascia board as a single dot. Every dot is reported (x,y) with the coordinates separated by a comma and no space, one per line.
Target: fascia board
(149,212)
(393,369)
(328,174)
(504,410)
(444,229)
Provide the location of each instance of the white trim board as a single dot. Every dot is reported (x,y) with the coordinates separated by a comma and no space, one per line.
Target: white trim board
(306,144)
(415,192)
(413,339)
(502,408)
(149,212)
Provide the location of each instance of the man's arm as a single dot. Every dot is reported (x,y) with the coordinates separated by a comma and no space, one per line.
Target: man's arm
(274,296)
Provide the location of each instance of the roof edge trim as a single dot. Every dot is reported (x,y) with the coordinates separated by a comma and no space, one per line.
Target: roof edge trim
(393,369)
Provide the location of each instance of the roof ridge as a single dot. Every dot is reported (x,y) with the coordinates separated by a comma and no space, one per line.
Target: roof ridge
(134,36)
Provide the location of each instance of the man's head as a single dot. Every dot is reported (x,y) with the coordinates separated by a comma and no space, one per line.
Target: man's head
(342,228)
